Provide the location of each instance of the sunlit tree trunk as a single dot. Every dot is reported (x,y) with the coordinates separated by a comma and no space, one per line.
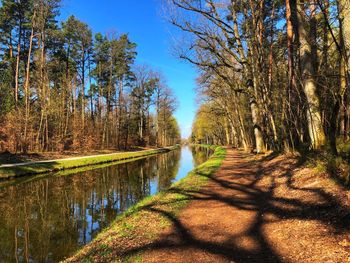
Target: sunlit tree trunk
(344,60)
(227,132)
(259,139)
(315,127)
(18,58)
(344,15)
(290,47)
(83,89)
(120,107)
(255,112)
(26,86)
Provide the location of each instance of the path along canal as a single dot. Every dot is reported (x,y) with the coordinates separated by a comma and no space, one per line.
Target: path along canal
(46,218)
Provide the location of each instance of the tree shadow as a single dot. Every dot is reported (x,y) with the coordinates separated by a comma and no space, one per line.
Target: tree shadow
(244,187)
(11,158)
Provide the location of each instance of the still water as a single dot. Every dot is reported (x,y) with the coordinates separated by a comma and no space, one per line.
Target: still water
(47,218)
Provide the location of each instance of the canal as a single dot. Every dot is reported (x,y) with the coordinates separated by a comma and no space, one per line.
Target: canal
(48,217)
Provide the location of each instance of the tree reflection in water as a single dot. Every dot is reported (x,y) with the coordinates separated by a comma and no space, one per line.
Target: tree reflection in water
(47,219)
(201,154)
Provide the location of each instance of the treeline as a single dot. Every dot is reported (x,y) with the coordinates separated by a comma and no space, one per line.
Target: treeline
(274,74)
(61,88)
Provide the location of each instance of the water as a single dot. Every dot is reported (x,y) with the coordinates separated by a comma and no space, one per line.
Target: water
(47,218)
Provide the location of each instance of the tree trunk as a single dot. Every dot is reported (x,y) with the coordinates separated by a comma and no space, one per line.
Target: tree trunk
(254,108)
(315,127)
(290,47)
(227,132)
(120,104)
(344,15)
(245,140)
(26,87)
(344,46)
(333,127)
(326,41)
(83,91)
(259,139)
(18,58)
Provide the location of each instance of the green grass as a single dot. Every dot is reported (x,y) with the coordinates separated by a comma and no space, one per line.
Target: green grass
(343,146)
(45,167)
(143,222)
(65,172)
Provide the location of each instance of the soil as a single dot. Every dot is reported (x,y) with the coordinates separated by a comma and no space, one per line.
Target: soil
(259,209)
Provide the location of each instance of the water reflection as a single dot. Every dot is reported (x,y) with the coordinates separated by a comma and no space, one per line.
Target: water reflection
(47,219)
(201,154)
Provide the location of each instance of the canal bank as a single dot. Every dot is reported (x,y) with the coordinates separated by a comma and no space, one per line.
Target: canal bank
(48,217)
(40,167)
(141,224)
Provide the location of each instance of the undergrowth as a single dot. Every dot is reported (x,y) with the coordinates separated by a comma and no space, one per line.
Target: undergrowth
(337,166)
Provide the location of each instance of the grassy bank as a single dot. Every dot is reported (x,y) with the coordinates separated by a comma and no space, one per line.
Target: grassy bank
(65,172)
(142,223)
(326,163)
(17,170)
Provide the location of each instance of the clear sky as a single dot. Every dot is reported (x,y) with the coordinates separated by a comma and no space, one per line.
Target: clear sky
(143,21)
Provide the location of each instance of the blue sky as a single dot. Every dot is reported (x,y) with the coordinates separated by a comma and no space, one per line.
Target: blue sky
(143,21)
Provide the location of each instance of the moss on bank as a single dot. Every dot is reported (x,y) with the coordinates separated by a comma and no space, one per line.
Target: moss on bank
(141,224)
(70,163)
(326,163)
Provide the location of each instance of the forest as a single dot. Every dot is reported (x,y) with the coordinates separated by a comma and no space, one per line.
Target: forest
(94,166)
(274,74)
(64,88)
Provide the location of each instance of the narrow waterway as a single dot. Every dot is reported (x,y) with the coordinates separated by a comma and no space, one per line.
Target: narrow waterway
(47,218)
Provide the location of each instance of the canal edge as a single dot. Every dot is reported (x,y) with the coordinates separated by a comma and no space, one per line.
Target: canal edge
(142,223)
(42,167)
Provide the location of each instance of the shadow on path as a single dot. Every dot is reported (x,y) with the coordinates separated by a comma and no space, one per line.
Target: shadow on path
(226,220)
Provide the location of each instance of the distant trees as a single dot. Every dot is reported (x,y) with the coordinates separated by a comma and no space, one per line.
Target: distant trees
(62,88)
(210,127)
(277,71)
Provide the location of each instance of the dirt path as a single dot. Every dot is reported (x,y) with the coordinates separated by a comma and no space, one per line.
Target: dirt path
(259,211)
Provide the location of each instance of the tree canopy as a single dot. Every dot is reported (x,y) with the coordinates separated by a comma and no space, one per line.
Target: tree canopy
(277,71)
